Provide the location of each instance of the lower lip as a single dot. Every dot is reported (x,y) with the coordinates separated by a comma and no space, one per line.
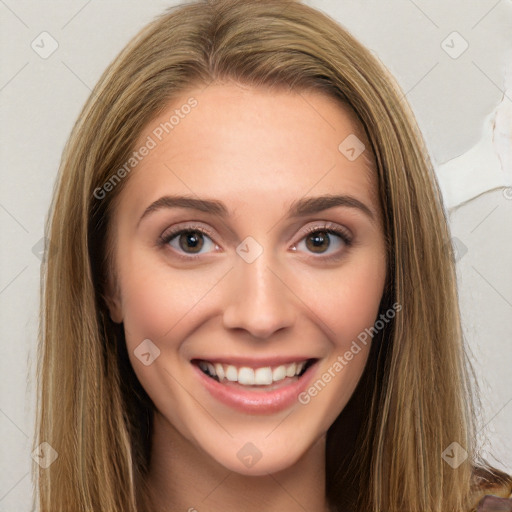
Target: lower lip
(258,401)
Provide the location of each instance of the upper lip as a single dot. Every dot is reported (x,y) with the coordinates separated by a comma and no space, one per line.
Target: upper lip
(252,362)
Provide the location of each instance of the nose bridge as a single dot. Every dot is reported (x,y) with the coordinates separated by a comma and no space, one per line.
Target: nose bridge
(259,302)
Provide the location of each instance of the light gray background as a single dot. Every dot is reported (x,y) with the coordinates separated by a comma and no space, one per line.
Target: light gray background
(454,99)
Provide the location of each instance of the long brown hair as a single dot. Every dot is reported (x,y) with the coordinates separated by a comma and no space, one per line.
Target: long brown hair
(384,451)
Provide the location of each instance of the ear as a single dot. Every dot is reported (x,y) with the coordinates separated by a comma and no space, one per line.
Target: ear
(113,301)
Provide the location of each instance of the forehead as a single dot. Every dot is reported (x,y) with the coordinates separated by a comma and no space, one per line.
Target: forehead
(238,143)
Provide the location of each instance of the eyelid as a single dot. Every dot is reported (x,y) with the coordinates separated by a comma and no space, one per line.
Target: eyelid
(328,226)
(187,227)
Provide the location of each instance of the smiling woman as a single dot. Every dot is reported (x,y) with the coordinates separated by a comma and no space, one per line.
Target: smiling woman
(243,334)
(261,313)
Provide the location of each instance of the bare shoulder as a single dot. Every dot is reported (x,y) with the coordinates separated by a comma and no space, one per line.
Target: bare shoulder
(491,490)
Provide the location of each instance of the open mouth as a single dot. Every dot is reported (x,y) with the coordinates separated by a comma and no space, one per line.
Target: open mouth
(252,389)
(267,376)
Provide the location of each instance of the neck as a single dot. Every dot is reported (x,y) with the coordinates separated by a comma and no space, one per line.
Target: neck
(183,477)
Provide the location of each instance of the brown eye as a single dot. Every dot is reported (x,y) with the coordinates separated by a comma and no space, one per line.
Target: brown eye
(188,243)
(191,240)
(318,242)
(328,241)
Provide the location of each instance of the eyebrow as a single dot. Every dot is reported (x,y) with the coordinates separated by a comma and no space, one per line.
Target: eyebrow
(298,208)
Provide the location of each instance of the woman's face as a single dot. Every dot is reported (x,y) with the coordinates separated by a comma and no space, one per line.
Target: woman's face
(265,288)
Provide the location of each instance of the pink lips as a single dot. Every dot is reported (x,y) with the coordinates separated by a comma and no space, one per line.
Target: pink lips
(257,402)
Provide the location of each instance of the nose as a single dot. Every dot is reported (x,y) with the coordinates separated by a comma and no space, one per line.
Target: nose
(260,300)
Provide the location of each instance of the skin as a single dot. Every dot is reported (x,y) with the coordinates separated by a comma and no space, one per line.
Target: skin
(257,151)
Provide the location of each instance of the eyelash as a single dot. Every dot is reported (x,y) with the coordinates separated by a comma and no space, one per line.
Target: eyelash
(328,228)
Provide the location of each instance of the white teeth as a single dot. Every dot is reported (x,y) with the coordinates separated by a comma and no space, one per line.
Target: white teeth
(249,376)
(211,368)
(219,370)
(279,373)
(291,369)
(263,376)
(231,373)
(246,376)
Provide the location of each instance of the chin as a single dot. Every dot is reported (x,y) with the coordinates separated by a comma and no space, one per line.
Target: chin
(259,458)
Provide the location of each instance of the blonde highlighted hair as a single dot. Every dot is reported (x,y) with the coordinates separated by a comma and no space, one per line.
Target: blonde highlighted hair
(384,451)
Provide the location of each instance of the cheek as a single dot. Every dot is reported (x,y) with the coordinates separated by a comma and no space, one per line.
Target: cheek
(359,297)
(347,300)
(156,298)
